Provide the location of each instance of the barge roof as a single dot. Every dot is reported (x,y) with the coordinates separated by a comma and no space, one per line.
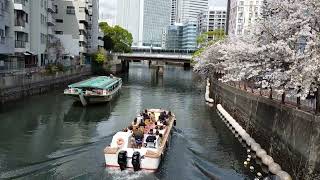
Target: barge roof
(100,82)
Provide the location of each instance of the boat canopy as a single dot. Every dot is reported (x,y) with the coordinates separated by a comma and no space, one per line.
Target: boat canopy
(100,82)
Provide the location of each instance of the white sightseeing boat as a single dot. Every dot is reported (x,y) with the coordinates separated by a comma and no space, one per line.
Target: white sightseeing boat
(94,90)
(123,153)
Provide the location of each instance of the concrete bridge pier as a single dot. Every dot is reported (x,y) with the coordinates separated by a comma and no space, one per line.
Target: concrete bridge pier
(186,65)
(125,66)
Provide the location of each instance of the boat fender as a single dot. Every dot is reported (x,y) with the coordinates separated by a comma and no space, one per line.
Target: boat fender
(120,141)
(175,122)
(136,161)
(122,160)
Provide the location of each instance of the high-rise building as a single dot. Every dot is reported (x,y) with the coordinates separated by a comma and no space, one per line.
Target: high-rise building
(93,26)
(213,19)
(130,17)
(176,10)
(242,15)
(190,9)
(156,19)
(144,19)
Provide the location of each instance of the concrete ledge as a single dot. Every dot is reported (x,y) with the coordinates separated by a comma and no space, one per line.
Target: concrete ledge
(288,134)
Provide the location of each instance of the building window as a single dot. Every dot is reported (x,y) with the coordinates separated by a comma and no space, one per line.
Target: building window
(56,8)
(59,32)
(43,38)
(70,10)
(59,20)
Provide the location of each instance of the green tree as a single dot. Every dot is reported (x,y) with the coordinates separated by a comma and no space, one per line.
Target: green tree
(100,56)
(116,38)
(216,35)
(203,40)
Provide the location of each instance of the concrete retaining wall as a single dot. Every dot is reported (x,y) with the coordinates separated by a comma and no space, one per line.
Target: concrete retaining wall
(24,89)
(291,136)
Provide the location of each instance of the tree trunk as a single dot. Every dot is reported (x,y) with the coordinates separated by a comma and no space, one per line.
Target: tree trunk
(270,95)
(283,97)
(299,102)
(317,94)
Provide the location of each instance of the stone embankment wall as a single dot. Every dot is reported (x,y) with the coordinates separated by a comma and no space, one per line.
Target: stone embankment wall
(291,136)
(18,87)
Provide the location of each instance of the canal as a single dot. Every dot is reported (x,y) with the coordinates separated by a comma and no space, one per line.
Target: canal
(51,137)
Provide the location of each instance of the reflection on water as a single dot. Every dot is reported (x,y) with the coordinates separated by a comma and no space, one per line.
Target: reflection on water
(50,136)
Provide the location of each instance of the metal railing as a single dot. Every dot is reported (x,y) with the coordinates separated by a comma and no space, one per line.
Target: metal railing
(23,2)
(19,44)
(304,104)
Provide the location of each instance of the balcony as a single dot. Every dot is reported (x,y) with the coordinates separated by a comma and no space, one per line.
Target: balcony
(82,38)
(20,5)
(20,44)
(50,7)
(50,21)
(100,43)
(82,27)
(83,50)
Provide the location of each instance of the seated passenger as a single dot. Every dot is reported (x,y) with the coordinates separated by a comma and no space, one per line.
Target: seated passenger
(139,138)
(130,128)
(135,123)
(151,141)
(151,132)
(133,142)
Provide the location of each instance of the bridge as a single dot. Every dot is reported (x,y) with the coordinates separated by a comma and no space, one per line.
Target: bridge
(156,57)
(165,55)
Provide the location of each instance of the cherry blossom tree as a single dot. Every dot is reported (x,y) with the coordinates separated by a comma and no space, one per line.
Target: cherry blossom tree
(282,53)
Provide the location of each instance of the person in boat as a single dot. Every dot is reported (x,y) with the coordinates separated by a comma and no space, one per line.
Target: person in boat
(152,117)
(138,135)
(135,123)
(130,128)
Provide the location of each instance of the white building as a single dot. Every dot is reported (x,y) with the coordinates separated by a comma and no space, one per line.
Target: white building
(215,18)
(176,10)
(77,27)
(191,8)
(242,16)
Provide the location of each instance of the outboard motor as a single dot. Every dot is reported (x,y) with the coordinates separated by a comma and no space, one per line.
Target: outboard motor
(122,160)
(136,161)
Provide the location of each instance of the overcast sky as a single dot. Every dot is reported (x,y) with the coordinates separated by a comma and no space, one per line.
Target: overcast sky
(108,8)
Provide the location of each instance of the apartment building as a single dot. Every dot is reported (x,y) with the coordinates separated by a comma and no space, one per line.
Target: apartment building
(77,27)
(215,18)
(6,35)
(242,14)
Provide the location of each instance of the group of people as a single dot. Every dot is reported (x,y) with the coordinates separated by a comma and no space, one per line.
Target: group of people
(146,123)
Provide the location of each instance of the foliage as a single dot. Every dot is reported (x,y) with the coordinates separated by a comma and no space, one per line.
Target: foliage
(216,35)
(116,38)
(100,56)
(53,68)
(282,52)
(202,41)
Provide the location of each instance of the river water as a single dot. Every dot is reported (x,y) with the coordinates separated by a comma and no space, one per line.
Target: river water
(51,137)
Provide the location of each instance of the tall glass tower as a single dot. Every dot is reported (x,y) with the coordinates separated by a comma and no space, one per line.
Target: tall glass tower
(156,19)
